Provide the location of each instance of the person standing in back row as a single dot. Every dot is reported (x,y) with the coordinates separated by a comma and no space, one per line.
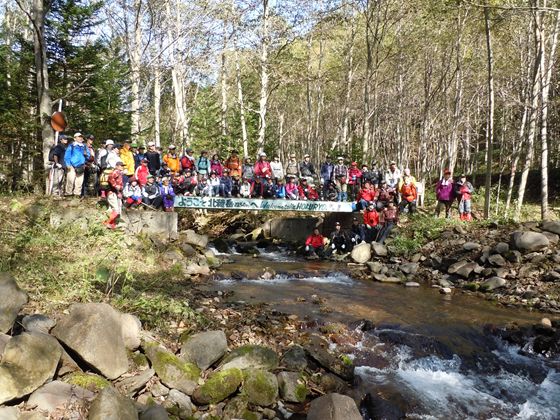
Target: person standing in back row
(58,166)
(445,194)
(154,163)
(75,158)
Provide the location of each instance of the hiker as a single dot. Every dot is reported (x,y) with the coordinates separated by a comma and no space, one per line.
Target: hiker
(172,160)
(326,174)
(281,189)
(375,174)
(114,195)
(132,193)
(306,169)
(406,177)
(90,175)
(257,188)
(142,172)
(366,194)
(187,160)
(393,175)
(357,232)
(331,193)
(216,165)
(292,191)
(233,163)
(128,159)
(340,175)
(56,160)
(248,170)
(269,188)
(464,191)
(408,195)
(151,194)
(354,180)
(245,188)
(214,185)
(154,162)
(75,157)
(167,194)
(390,217)
(292,168)
(314,245)
(340,241)
(445,194)
(203,164)
(262,168)
(371,223)
(139,155)
(277,169)
(226,184)
(367,175)
(385,195)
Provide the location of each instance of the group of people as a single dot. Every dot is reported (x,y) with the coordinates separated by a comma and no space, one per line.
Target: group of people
(132,175)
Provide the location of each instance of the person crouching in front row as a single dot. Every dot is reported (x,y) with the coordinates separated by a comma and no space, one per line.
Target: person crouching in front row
(314,245)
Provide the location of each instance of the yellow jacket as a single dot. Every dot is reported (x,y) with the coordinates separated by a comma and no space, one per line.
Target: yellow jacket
(173,163)
(128,159)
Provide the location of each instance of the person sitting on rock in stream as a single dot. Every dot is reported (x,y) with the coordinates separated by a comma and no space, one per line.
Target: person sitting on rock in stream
(371,223)
(314,245)
(464,191)
(389,218)
(340,240)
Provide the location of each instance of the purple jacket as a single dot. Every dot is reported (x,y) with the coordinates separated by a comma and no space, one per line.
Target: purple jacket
(168,195)
(444,190)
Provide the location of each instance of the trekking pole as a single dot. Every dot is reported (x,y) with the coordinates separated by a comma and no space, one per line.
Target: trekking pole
(147,205)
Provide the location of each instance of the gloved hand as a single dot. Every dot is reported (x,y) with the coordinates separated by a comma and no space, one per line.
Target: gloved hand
(57,165)
(307,247)
(368,226)
(333,246)
(343,246)
(353,239)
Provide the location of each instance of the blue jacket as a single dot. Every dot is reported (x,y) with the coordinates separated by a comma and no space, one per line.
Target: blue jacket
(327,169)
(76,155)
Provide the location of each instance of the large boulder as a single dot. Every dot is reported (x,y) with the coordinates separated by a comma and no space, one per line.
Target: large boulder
(204,349)
(29,360)
(155,412)
(4,338)
(171,370)
(251,356)
(38,323)
(333,407)
(131,329)
(11,301)
(361,253)
(379,250)
(292,387)
(58,395)
(192,238)
(218,387)
(552,226)
(529,241)
(110,405)
(94,331)
(261,387)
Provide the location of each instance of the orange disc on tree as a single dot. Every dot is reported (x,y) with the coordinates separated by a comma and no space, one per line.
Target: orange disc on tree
(58,121)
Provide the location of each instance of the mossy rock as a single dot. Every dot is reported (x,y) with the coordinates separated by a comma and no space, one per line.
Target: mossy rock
(236,407)
(89,381)
(139,360)
(251,357)
(171,370)
(473,287)
(292,387)
(261,387)
(219,386)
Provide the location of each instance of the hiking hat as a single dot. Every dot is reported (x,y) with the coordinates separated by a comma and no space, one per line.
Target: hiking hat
(119,163)
(306,155)
(446,171)
(340,158)
(109,142)
(78,135)
(151,143)
(171,146)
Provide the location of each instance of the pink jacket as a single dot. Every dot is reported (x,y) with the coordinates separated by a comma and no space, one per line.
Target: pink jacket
(262,168)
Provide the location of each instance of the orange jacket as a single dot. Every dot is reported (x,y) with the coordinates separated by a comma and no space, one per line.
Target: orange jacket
(408,192)
(173,163)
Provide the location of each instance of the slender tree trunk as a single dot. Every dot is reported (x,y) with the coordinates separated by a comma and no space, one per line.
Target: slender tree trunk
(244,135)
(135,57)
(44,104)
(157,103)
(263,102)
(349,81)
(223,84)
(490,132)
(367,79)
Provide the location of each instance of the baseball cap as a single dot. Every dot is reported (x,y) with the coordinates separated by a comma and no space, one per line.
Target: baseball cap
(171,146)
(306,155)
(119,163)
(91,136)
(151,143)
(78,134)
(263,154)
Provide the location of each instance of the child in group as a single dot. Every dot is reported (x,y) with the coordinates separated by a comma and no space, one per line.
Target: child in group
(280,189)
(292,189)
(132,192)
(245,188)
(168,195)
(390,217)
(214,185)
(464,191)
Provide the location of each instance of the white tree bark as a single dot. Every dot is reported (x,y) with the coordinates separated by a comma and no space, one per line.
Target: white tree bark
(223,84)
(157,104)
(263,102)
(135,51)
(490,131)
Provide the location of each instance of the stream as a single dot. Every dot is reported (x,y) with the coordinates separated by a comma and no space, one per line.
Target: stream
(428,353)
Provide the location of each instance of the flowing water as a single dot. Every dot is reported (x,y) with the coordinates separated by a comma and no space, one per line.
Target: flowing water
(428,353)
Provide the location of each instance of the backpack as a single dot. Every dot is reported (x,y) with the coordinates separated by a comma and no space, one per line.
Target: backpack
(51,154)
(104,178)
(103,161)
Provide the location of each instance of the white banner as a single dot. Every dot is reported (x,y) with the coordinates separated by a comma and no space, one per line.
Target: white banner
(260,204)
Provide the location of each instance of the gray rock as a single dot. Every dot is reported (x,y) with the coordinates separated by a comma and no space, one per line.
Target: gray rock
(292,387)
(218,386)
(361,253)
(59,395)
(110,405)
(390,279)
(4,338)
(131,328)
(375,266)
(513,256)
(171,370)
(409,268)
(192,238)
(159,390)
(529,241)
(155,412)
(251,356)
(93,330)
(317,349)
(261,387)
(445,290)
(552,237)
(379,250)
(294,359)
(9,413)
(38,323)
(333,407)
(13,298)
(187,249)
(456,266)
(493,283)
(551,276)
(497,260)
(197,270)
(552,226)
(131,385)
(204,349)
(29,360)
(471,246)
(179,404)
(332,383)
(501,248)
(412,284)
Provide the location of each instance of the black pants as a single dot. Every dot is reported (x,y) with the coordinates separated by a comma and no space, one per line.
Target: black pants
(154,202)
(385,231)
(371,234)
(410,204)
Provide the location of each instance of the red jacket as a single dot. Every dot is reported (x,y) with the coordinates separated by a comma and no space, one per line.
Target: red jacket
(316,241)
(141,174)
(409,192)
(115,181)
(307,193)
(354,175)
(371,218)
(187,163)
(368,194)
(262,168)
